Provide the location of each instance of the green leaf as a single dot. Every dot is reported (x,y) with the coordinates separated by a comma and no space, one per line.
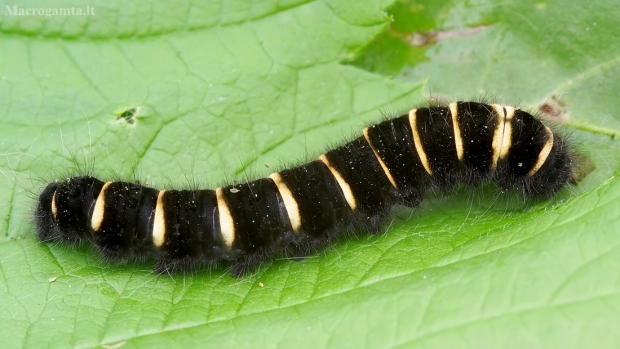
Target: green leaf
(210,93)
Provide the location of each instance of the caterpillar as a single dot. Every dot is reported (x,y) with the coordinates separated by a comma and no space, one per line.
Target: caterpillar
(298,210)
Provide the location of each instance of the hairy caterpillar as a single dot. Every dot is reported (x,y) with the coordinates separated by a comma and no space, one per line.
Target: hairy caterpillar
(297,210)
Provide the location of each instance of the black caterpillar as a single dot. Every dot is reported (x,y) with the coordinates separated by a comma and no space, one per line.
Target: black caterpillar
(297,210)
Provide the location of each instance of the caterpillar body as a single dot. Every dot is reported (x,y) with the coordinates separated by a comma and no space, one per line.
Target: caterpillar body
(297,210)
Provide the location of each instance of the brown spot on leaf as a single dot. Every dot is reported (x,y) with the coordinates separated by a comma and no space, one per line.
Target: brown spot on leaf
(420,39)
(554,109)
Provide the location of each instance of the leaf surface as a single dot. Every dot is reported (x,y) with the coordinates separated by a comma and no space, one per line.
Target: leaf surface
(179,94)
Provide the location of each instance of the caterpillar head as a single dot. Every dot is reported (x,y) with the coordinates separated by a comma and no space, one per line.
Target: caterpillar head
(64,208)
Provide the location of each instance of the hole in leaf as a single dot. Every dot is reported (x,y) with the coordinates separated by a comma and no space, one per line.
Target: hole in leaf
(129,115)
